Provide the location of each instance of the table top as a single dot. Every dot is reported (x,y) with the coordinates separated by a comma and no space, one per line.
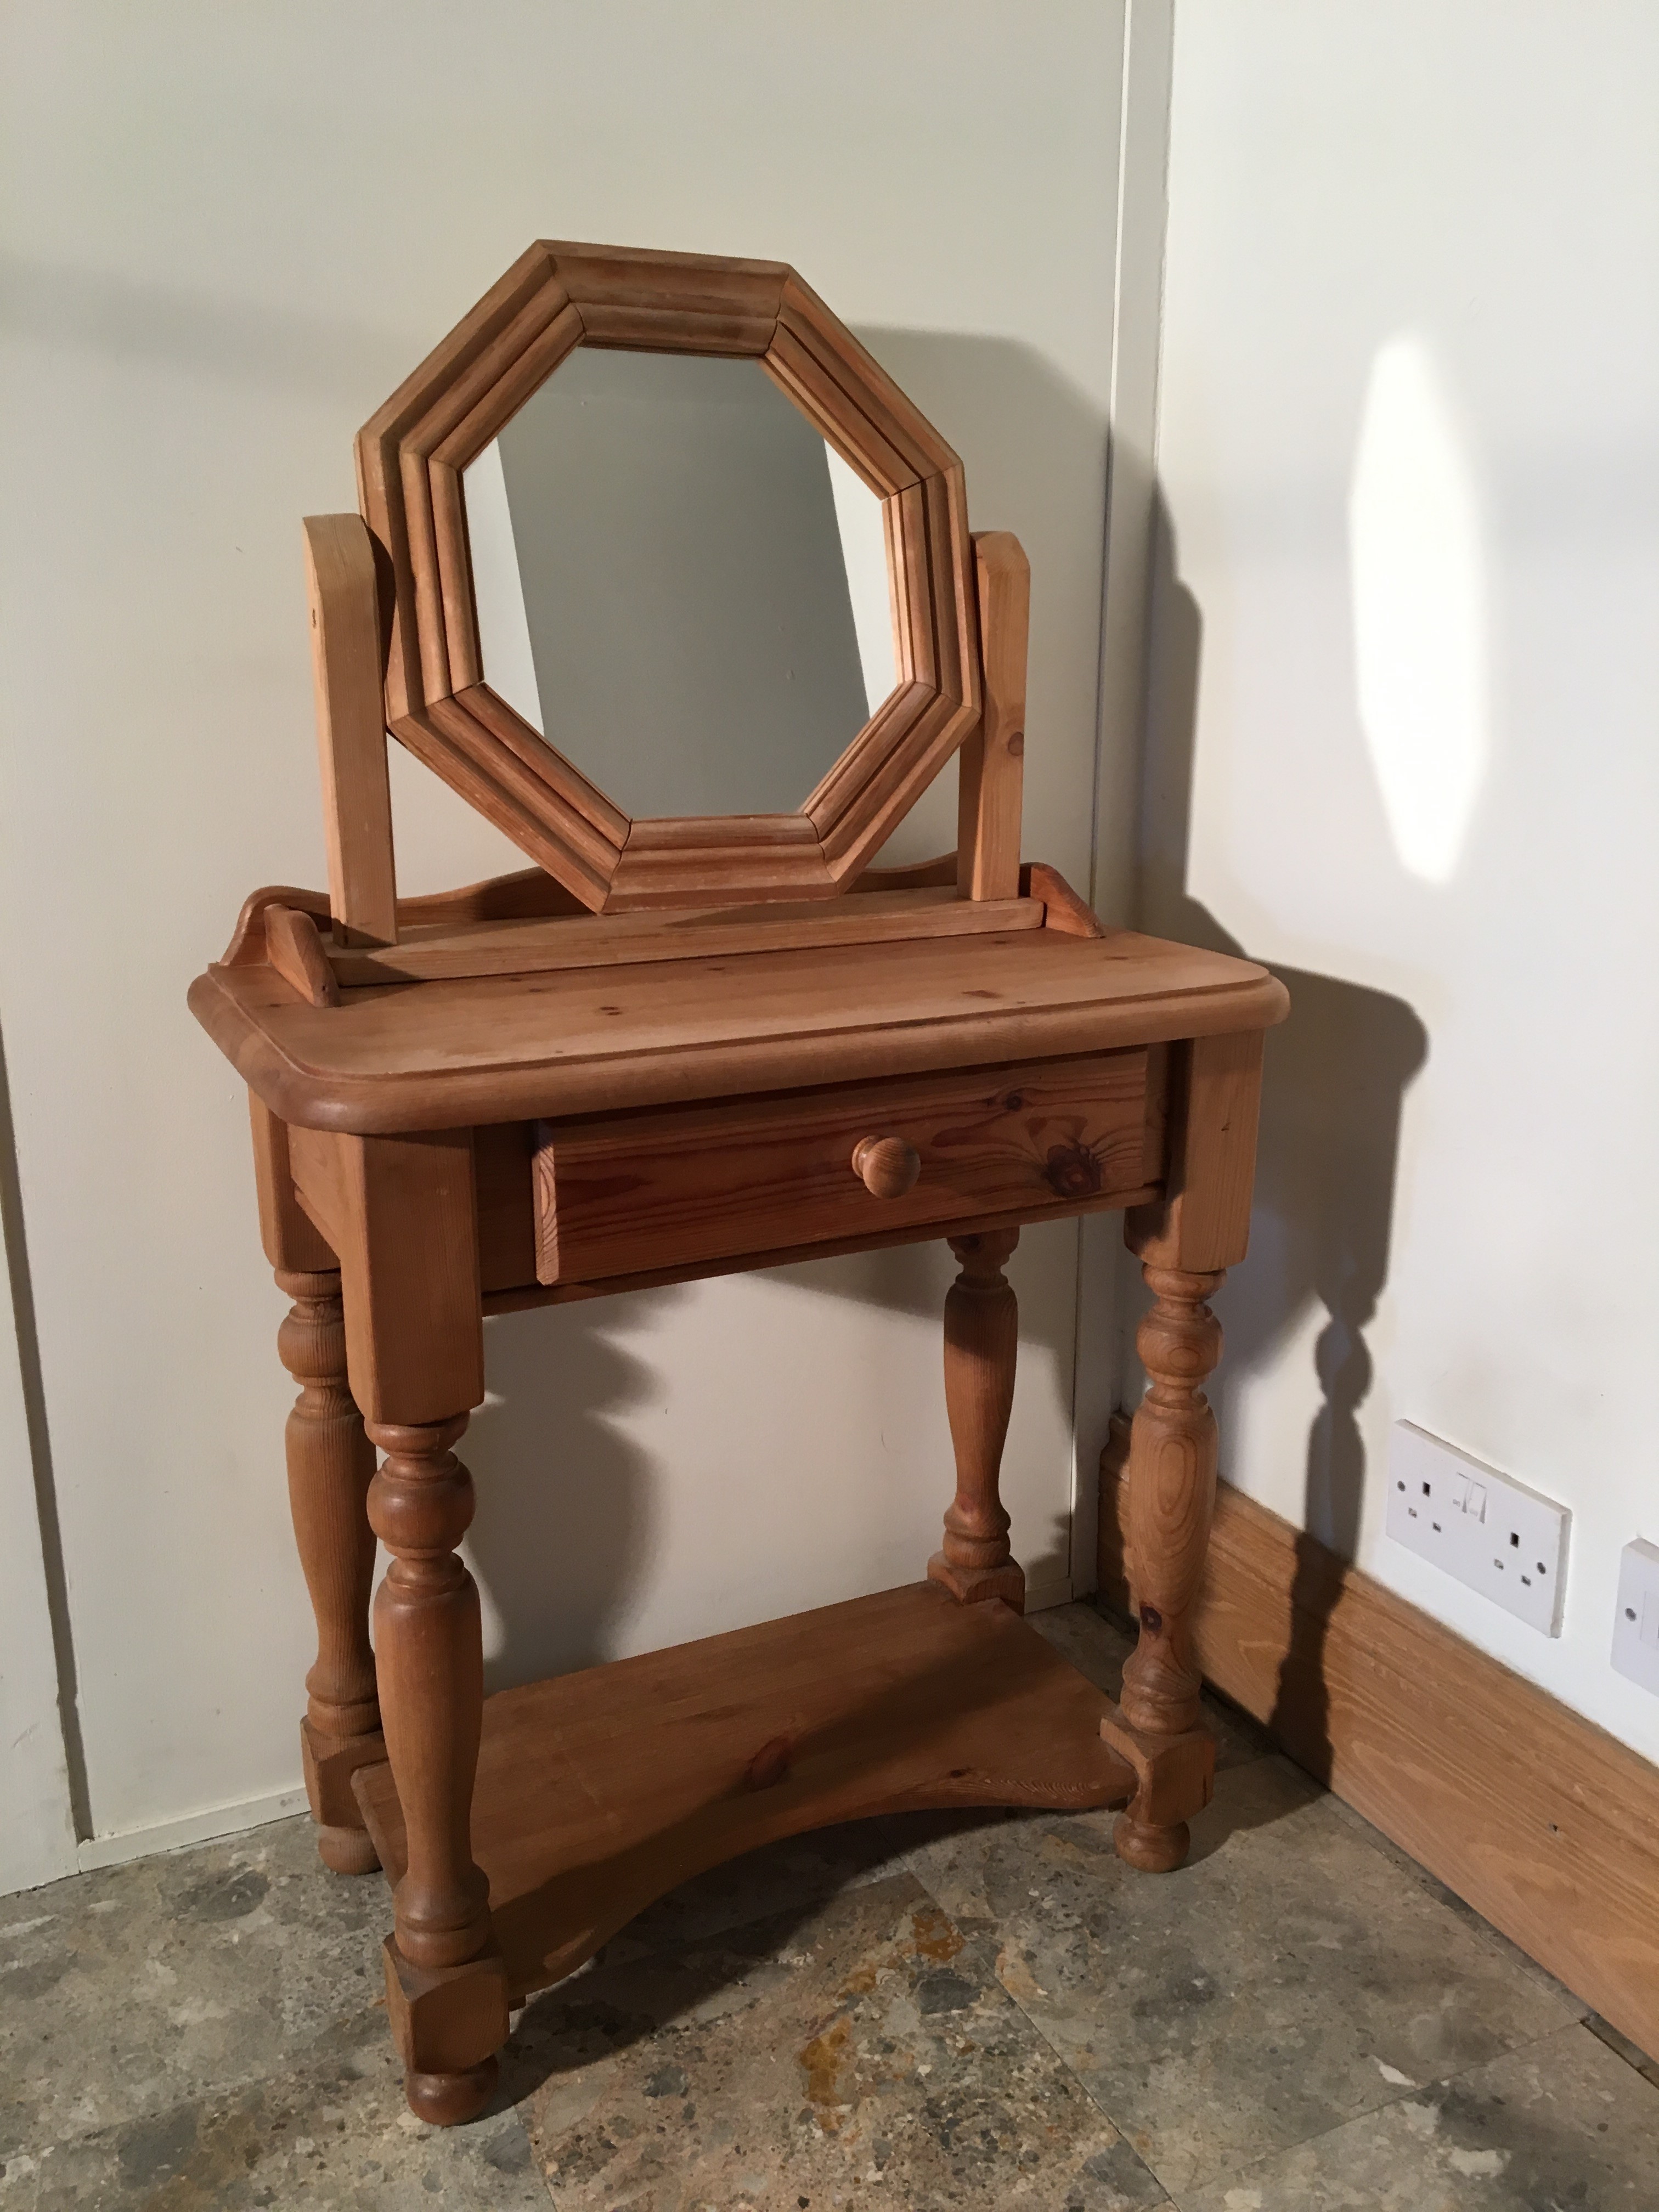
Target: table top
(398,1058)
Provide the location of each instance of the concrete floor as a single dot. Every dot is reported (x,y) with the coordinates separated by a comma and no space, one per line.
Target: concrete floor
(935,2011)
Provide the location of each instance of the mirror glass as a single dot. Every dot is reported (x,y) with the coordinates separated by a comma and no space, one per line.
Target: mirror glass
(679,584)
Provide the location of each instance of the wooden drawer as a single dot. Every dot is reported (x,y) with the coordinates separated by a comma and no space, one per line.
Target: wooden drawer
(625,1193)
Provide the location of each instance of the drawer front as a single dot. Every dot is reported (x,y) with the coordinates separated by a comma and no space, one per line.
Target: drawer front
(626,1193)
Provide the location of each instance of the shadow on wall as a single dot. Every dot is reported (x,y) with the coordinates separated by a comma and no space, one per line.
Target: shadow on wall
(1334,1077)
(568,1500)
(565,1498)
(1033,445)
(915,1279)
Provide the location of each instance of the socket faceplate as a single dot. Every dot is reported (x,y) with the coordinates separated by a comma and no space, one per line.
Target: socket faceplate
(1490,1532)
(1636,1622)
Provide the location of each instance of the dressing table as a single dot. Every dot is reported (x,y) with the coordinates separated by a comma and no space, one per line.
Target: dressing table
(621,533)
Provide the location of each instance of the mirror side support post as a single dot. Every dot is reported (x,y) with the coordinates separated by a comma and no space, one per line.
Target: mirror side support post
(351,741)
(988,802)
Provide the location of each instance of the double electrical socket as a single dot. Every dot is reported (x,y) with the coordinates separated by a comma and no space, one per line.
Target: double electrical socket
(1490,1533)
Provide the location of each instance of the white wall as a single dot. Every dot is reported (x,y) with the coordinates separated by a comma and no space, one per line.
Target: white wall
(37,1824)
(1431,233)
(233,231)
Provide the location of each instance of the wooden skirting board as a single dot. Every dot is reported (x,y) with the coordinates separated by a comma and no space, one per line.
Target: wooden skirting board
(1537,1817)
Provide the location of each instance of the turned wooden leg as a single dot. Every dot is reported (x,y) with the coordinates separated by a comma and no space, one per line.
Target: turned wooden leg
(445,1987)
(982,1342)
(1171,1499)
(330,1462)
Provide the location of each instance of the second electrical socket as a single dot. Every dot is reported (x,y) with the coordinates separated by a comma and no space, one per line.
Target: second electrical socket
(1490,1532)
(1636,1623)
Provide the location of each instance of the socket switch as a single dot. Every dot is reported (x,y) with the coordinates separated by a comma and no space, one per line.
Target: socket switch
(1490,1533)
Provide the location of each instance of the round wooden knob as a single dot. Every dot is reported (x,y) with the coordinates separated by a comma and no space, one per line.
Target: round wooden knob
(887,1166)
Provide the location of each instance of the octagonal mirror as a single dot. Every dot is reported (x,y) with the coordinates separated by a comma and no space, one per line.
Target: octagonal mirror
(678,578)
(665,549)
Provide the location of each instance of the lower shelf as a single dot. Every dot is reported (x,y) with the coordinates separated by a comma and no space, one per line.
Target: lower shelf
(599,1792)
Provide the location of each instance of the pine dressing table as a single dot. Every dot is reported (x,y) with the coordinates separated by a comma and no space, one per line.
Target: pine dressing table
(676,1045)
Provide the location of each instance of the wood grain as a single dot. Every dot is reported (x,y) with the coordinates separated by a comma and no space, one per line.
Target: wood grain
(479,408)
(410,457)
(1063,910)
(463,416)
(295,952)
(528,893)
(379,469)
(471,768)
(427,1636)
(330,1462)
(955,625)
(535,944)
(859,376)
(717,860)
(993,759)
(402,1213)
(429,1653)
(1535,1817)
(345,666)
(957,612)
(561,799)
(1171,1497)
(502,1158)
(290,1238)
(598,1792)
(706,1090)
(673,329)
(512,1048)
(884,796)
(1203,1223)
(575,792)
(912,542)
(693,284)
(888,1167)
(837,416)
(892,725)
(247,947)
(981,1346)
(625,1193)
(520,1297)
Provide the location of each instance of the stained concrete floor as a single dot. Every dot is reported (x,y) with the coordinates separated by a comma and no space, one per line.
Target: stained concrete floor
(971,2013)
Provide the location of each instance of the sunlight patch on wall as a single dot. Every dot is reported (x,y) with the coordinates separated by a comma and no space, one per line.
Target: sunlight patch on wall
(1419,608)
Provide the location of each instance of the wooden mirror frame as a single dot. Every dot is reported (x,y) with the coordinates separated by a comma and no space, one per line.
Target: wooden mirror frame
(410,456)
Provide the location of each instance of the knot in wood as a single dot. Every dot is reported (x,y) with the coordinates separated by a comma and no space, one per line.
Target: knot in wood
(770,1764)
(1072,1171)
